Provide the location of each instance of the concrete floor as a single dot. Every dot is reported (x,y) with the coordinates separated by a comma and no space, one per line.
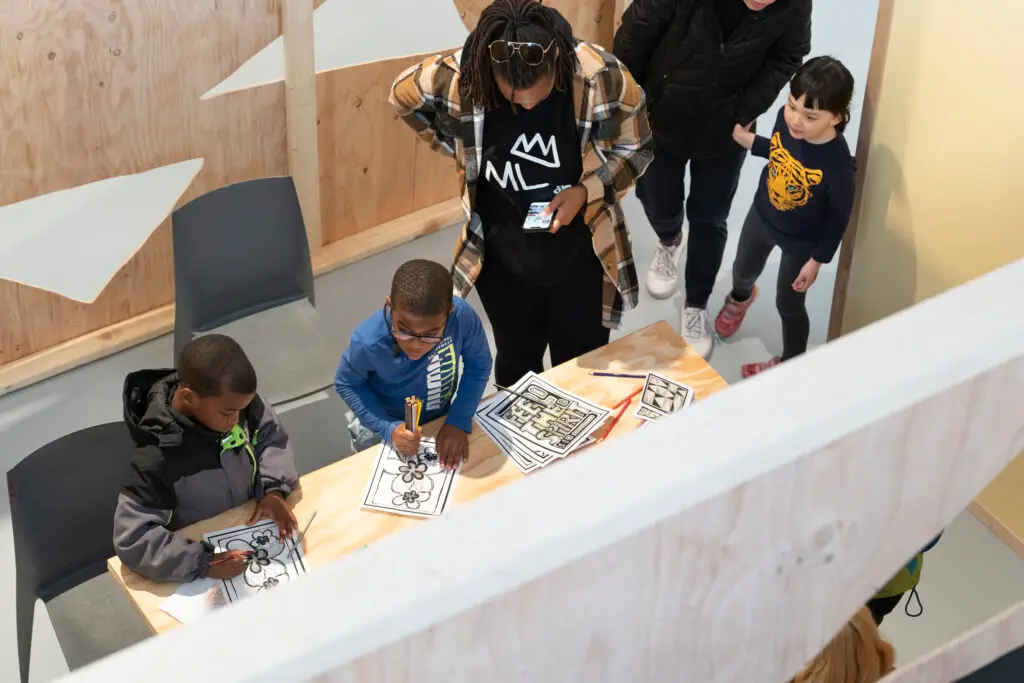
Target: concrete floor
(968,577)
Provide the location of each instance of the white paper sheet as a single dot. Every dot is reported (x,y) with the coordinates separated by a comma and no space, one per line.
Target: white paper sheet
(414,487)
(194,600)
(661,396)
(353,32)
(72,242)
(273,562)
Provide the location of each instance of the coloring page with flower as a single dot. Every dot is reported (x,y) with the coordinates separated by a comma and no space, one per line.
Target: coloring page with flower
(271,564)
(415,487)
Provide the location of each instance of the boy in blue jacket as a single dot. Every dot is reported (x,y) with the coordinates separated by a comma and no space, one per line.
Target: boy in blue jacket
(414,347)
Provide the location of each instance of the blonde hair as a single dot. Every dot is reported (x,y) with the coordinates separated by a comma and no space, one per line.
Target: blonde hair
(858,654)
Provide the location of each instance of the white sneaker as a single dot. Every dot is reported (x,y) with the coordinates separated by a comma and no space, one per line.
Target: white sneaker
(663,275)
(696,329)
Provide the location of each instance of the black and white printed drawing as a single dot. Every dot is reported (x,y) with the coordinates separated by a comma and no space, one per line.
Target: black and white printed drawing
(661,396)
(271,563)
(417,487)
(542,419)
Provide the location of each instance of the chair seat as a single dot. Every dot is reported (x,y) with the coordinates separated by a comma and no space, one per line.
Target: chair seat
(293,354)
(318,432)
(95,619)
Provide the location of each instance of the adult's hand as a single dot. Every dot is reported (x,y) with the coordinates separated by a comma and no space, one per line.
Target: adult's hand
(227,565)
(742,135)
(452,446)
(565,206)
(272,506)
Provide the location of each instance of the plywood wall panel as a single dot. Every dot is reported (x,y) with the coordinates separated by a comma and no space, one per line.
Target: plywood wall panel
(591,19)
(99,88)
(367,155)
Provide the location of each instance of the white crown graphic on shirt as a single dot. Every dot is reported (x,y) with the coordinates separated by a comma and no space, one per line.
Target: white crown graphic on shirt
(549,150)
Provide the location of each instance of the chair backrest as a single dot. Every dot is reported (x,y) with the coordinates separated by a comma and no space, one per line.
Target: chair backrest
(63,498)
(238,250)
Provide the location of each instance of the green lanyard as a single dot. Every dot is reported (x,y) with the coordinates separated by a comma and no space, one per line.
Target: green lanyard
(237,438)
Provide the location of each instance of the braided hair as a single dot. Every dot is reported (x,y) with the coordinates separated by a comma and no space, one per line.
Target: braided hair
(516,21)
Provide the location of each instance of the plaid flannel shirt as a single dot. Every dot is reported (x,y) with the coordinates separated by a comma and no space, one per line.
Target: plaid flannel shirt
(616,145)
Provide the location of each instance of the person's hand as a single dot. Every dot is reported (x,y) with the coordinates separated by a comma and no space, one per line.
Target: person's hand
(405,442)
(808,274)
(452,446)
(742,135)
(227,565)
(272,506)
(565,206)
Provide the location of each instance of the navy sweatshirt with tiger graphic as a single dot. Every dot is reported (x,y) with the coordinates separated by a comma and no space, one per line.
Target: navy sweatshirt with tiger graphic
(805,195)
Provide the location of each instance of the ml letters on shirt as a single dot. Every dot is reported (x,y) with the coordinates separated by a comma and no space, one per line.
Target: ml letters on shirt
(534,150)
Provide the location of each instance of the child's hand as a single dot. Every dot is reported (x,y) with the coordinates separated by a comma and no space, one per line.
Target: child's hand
(742,135)
(227,565)
(452,446)
(407,443)
(272,506)
(808,274)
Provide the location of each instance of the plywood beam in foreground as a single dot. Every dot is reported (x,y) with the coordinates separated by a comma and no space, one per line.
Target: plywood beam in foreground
(726,543)
(301,113)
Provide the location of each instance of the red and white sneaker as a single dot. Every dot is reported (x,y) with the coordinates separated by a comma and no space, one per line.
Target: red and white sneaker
(751,369)
(731,316)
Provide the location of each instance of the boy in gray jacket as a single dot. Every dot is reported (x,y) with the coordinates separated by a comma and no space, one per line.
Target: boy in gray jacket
(206,443)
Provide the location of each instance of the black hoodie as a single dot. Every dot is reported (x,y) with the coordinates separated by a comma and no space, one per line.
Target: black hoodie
(183,472)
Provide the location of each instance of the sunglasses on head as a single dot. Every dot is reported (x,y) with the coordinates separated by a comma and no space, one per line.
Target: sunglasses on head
(531,53)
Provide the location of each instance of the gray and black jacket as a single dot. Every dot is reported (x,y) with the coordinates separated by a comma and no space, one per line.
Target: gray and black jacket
(183,472)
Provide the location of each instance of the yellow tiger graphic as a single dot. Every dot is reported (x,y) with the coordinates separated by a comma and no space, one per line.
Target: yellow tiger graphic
(789,183)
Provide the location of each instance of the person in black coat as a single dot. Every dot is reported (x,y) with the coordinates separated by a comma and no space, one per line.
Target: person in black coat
(705,65)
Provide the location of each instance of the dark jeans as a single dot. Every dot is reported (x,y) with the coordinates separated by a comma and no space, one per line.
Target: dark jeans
(527,319)
(662,190)
(751,255)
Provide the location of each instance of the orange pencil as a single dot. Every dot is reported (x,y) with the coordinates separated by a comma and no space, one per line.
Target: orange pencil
(621,405)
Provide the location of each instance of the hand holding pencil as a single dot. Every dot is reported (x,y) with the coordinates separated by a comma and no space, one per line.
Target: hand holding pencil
(406,437)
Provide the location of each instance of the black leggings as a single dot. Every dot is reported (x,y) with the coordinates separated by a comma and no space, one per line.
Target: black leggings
(751,255)
(527,319)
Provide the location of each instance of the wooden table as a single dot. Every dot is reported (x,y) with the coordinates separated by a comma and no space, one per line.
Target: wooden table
(336,491)
(1000,506)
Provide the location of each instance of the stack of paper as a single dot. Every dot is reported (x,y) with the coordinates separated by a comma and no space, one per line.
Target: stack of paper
(540,422)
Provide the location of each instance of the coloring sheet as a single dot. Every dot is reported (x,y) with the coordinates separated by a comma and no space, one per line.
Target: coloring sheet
(549,424)
(416,487)
(661,396)
(516,454)
(273,561)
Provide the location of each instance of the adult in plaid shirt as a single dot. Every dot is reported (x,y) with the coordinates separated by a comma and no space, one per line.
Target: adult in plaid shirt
(531,114)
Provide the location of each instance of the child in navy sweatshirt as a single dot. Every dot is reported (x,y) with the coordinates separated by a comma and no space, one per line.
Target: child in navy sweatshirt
(414,347)
(802,205)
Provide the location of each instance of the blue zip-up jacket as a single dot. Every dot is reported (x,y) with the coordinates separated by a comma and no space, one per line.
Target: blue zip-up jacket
(375,381)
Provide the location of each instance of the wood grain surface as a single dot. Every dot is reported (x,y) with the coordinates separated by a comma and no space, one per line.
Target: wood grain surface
(100,88)
(335,491)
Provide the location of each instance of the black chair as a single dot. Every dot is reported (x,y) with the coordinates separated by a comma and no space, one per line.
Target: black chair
(317,433)
(63,498)
(242,268)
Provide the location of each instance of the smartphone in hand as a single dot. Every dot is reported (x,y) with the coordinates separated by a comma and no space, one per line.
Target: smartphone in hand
(535,220)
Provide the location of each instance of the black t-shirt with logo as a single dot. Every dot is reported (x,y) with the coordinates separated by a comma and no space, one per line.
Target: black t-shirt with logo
(529,155)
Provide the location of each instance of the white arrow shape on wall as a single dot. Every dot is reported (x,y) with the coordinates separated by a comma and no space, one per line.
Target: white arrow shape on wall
(354,32)
(72,242)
